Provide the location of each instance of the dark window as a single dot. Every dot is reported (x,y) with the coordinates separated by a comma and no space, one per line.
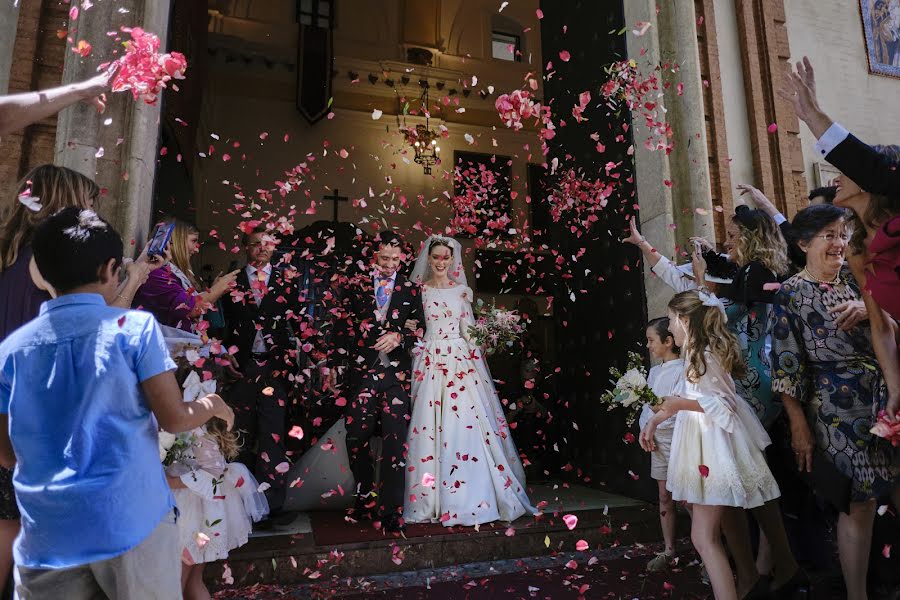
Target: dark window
(481,185)
(506,46)
(315,13)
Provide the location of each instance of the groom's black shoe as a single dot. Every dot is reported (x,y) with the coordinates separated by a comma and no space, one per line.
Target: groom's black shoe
(364,508)
(393,522)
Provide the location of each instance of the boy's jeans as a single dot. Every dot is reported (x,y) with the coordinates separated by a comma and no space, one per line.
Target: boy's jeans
(149,571)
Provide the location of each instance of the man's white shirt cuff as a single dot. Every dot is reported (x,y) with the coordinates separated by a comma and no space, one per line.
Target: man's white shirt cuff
(830,139)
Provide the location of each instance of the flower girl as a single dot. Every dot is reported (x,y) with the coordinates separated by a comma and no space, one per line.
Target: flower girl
(717,445)
(217,500)
(663,379)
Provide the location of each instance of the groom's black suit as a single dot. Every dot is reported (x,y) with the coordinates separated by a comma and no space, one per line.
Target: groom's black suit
(379,393)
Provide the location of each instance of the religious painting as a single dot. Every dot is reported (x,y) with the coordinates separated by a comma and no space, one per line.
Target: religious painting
(881,24)
(481,195)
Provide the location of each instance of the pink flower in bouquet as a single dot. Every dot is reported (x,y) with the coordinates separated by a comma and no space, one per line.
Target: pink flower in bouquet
(886,429)
(143,70)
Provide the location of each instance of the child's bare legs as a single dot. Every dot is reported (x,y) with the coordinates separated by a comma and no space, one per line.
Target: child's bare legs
(781,557)
(192,583)
(737,536)
(667,516)
(706,533)
(854,533)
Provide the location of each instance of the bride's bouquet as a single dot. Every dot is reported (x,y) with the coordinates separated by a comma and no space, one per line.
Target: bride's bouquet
(631,391)
(495,329)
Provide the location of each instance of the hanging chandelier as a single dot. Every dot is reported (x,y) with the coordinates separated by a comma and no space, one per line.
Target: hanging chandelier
(423,140)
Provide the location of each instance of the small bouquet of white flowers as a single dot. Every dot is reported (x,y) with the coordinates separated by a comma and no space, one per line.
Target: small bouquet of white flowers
(176,452)
(631,391)
(495,328)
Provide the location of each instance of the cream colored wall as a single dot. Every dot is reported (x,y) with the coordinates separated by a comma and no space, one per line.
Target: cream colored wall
(243,100)
(737,124)
(831,34)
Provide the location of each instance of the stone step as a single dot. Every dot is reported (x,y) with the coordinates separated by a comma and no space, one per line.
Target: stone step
(325,549)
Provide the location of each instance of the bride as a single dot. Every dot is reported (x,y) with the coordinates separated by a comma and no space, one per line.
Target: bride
(462,467)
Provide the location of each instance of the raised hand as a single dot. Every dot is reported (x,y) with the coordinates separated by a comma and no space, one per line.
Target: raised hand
(635,236)
(800,91)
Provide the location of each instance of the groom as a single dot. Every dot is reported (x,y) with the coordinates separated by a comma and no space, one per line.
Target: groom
(376,307)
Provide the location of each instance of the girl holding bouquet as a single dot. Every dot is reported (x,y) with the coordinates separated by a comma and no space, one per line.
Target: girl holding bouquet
(218,500)
(663,379)
(717,458)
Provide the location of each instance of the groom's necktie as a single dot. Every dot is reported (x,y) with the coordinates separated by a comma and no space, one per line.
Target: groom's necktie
(382,291)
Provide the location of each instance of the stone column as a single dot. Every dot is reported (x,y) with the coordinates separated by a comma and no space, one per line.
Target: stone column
(118,148)
(9,21)
(651,167)
(672,37)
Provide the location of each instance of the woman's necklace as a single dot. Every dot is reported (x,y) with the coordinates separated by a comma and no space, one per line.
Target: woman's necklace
(837,278)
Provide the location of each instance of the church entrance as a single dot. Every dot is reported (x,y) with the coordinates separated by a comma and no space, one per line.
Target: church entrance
(308,113)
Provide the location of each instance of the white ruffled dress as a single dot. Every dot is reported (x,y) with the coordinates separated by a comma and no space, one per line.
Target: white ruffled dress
(727,439)
(221,502)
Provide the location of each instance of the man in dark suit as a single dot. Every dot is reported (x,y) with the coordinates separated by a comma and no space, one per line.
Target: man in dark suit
(375,309)
(261,314)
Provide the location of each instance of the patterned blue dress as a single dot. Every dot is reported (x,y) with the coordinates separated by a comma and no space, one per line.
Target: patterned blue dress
(835,376)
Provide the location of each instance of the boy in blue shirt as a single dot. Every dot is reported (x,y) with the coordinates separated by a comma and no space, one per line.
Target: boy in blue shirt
(80,386)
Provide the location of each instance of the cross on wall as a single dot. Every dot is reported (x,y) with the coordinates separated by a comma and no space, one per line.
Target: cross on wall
(335,198)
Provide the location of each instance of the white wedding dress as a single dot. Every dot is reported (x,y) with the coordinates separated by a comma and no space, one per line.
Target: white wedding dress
(463,467)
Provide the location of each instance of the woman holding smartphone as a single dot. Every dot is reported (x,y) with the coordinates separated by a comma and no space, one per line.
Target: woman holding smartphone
(172,293)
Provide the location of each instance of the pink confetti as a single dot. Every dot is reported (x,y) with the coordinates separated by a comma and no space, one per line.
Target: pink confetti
(564,55)
(427,480)
(571,521)
(704,471)
(773,127)
(581,545)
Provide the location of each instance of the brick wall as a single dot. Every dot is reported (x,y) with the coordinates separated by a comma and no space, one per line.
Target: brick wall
(777,158)
(37,63)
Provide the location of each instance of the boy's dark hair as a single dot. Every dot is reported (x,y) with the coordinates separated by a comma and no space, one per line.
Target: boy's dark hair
(388,238)
(827,192)
(661,327)
(71,246)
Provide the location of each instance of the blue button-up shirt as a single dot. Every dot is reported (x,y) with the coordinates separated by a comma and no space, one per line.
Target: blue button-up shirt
(88,478)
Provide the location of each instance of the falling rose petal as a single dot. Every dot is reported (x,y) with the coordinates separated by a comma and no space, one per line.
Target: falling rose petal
(282,467)
(296,432)
(227,578)
(427,480)
(641,28)
(240,482)
(268,391)
(628,438)
(73,13)
(668,586)
(581,545)
(882,510)
(503,5)
(201,539)
(773,127)
(376,114)
(469,139)
(886,551)
(564,55)
(32,203)
(704,471)
(343,153)
(572,565)
(510,532)
(571,521)
(263,487)
(121,320)
(539,13)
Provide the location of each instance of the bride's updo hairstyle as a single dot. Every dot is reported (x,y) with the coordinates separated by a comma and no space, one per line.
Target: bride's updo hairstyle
(439,241)
(706,328)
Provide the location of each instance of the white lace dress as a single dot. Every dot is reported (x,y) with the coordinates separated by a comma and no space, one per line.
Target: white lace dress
(717,455)
(463,467)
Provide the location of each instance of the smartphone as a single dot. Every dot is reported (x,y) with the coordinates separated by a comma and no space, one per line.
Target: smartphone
(160,238)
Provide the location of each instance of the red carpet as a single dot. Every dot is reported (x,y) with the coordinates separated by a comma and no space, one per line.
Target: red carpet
(330,529)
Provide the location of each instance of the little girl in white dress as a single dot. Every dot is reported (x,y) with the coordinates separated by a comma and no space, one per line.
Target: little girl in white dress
(218,501)
(717,455)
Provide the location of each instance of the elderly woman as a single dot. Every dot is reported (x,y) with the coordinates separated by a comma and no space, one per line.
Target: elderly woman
(173,293)
(831,387)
